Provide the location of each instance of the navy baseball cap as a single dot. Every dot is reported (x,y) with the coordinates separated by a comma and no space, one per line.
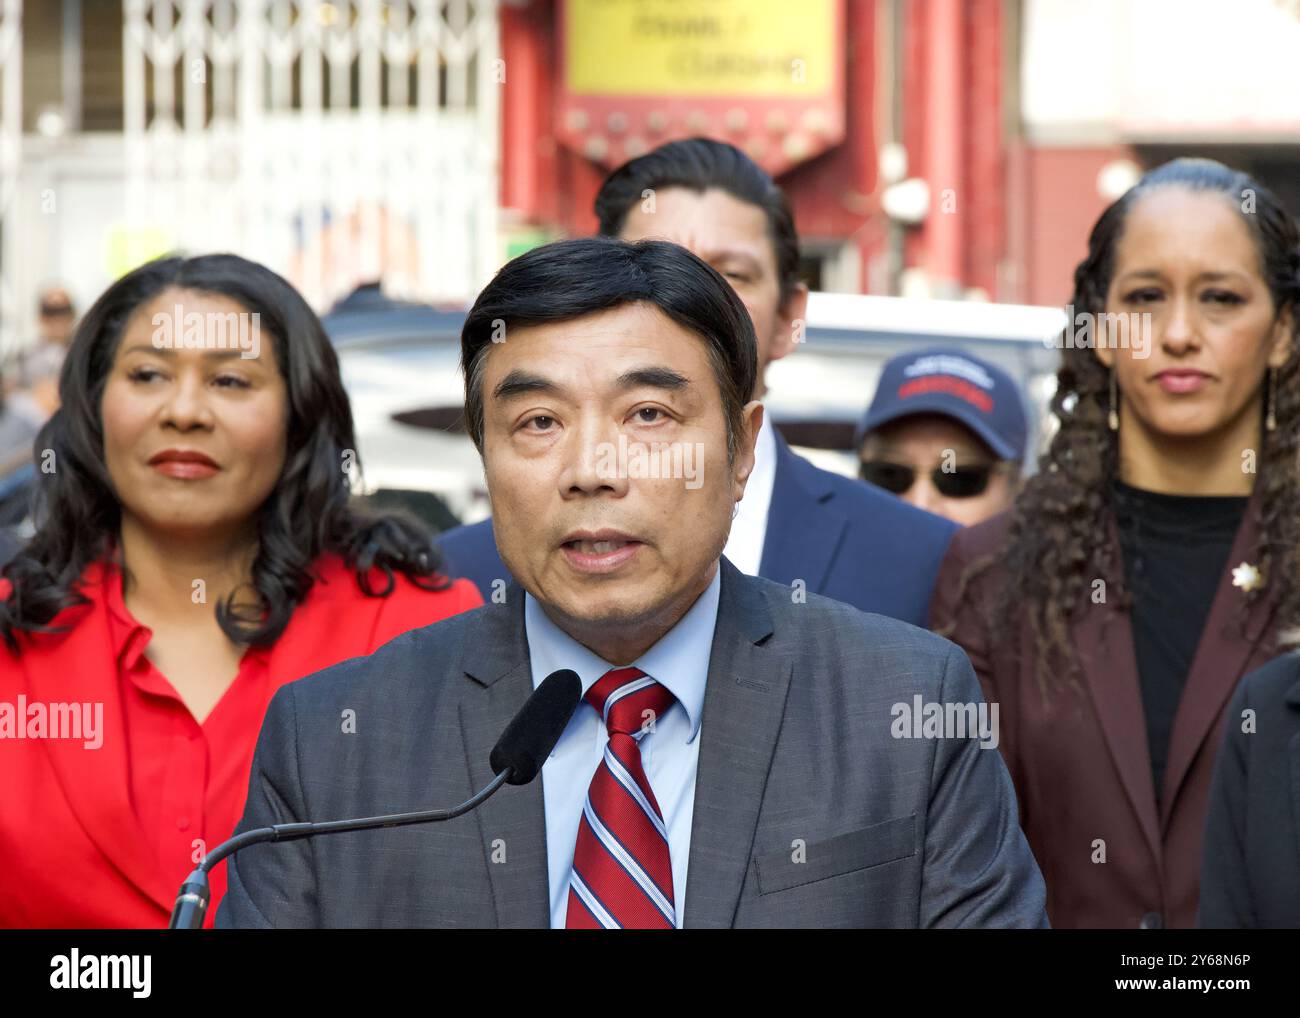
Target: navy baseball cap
(950,382)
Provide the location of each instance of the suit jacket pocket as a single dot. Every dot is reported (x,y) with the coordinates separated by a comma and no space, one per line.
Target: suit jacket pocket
(845,853)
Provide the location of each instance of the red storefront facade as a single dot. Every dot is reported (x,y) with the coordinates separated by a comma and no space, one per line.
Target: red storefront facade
(928,75)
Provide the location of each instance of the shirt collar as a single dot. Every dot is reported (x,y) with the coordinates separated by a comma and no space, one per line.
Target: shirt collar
(130,638)
(679,660)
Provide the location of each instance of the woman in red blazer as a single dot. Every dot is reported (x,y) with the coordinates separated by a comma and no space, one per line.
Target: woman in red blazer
(1144,568)
(196,549)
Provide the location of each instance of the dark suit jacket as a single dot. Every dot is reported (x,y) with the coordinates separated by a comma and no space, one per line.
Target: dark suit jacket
(1251,873)
(1080,761)
(796,751)
(845,539)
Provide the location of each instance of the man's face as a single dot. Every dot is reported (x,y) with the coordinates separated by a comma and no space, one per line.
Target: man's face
(605,454)
(733,237)
(919,445)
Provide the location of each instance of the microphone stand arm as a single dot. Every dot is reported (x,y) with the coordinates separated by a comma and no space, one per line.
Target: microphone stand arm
(192,902)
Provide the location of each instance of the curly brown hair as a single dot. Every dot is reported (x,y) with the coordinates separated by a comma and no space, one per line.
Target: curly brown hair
(1051,553)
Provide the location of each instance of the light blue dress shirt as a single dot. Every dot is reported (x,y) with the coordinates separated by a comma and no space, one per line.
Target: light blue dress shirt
(670,754)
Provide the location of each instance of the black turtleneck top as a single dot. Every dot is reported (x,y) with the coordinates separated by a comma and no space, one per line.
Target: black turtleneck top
(1175,548)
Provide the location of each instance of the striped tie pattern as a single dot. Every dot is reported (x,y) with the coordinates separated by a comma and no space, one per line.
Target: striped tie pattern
(622,874)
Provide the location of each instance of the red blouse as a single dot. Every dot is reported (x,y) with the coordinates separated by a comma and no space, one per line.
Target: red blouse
(101,822)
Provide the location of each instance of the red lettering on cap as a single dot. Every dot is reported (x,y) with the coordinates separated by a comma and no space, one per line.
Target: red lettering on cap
(960,388)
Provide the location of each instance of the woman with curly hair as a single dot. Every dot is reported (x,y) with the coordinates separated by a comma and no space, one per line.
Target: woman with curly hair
(195,551)
(1145,568)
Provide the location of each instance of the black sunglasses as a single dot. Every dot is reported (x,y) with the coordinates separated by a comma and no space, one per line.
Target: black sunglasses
(962,482)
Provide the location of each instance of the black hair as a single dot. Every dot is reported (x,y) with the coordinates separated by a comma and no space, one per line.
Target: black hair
(78,514)
(699,164)
(572,278)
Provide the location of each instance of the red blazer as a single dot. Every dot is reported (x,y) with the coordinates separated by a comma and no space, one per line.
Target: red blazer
(71,850)
(1080,763)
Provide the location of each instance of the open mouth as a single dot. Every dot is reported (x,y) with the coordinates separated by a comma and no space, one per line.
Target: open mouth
(604,555)
(597,547)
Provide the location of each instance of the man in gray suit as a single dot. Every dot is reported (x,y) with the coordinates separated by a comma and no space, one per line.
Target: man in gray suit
(746,754)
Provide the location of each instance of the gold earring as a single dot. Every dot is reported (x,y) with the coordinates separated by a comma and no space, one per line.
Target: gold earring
(1270,419)
(1112,419)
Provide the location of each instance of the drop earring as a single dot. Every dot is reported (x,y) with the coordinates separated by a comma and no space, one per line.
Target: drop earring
(1270,418)
(1112,419)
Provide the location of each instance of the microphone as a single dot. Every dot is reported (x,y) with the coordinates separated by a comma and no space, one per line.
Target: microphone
(534,731)
(515,760)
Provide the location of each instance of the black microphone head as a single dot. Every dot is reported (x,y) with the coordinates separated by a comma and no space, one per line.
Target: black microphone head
(530,737)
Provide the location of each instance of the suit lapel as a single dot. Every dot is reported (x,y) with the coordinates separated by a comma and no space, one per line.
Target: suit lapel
(513,822)
(744,702)
(95,782)
(1227,643)
(1103,638)
(802,530)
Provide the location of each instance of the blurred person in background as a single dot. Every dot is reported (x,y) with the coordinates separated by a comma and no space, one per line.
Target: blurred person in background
(196,551)
(17,431)
(946,432)
(797,523)
(33,376)
(1144,569)
(29,393)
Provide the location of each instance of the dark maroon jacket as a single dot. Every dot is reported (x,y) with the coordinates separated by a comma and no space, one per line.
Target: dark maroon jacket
(1079,759)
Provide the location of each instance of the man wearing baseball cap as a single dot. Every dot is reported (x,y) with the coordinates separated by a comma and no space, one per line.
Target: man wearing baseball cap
(945,432)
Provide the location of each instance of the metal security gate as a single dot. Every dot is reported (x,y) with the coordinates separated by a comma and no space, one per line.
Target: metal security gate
(334,141)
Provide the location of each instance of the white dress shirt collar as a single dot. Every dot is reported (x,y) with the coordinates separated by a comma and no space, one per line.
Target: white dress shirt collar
(749,526)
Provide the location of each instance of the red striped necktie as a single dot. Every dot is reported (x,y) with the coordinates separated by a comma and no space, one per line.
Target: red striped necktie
(622,875)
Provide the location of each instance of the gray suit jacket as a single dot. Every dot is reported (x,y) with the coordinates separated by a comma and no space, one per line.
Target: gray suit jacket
(808,812)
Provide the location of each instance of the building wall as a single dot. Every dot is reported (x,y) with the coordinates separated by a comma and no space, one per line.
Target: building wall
(1062,203)
(951,79)
(1145,82)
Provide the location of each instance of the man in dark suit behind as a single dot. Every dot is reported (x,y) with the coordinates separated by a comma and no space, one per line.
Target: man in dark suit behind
(798,525)
(744,755)
(1250,867)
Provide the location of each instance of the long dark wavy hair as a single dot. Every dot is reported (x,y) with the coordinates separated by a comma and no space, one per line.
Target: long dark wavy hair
(309,512)
(1052,552)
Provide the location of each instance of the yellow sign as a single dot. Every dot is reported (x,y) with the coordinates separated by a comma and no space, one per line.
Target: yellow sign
(752,48)
(130,247)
